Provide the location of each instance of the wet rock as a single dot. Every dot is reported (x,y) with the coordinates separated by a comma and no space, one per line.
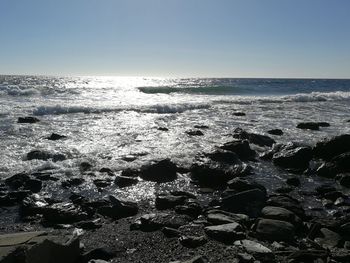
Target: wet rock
(106,170)
(169,201)
(39,247)
(275,230)
(325,188)
(312,125)
(171,232)
(162,171)
(241,148)
(248,202)
(85,166)
(162,129)
(239,185)
(156,221)
(183,193)
(258,139)
(72,182)
(118,208)
(44,176)
(130,173)
(288,157)
(195,133)
(345,229)
(329,240)
(90,224)
(224,157)
(191,208)
(33,185)
(344,180)
(330,148)
(25,182)
(214,174)
(226,233)
(193,241)
(287,202)
(238,113)
(125,181)
(44,155)
(13,197)
(55,137)
(62,213)
(279,213)
(103,253)
(293,181)
(201,126)
(275,132)
(102,182)
(256,249)
(27,120)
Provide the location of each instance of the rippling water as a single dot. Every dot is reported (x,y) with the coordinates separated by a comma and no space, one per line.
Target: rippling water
(107,119)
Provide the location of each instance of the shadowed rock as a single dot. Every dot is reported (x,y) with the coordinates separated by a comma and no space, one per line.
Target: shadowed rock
(55,137)
(275,230)
(258,139)
(27,120)
(162,171)
(241,148)
(330,148)
(289,157)
(226,233)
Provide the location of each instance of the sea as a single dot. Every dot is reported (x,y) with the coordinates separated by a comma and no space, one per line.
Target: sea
(114,122)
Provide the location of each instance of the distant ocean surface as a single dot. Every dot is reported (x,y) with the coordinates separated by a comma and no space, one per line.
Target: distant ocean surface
(108,119)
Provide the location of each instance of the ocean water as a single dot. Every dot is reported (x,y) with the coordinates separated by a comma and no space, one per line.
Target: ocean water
(109,120)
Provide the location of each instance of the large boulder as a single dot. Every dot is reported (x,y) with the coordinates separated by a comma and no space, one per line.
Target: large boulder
(248,202)
(291,157)
(241,148)
(258,139)
(312,125)
(162,171)
(329,148)
(223,156)
(287,202)
(275,230)
(215,174)
(279,213)
(45,155)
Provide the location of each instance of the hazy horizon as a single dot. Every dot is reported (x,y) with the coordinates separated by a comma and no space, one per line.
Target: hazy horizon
(219,39)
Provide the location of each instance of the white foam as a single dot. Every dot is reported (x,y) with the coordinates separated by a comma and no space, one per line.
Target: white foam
(158,108)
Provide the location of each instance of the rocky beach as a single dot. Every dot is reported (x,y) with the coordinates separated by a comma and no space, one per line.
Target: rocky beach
(198,178)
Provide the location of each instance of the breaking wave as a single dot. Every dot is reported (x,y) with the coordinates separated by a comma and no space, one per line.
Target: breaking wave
(159,108)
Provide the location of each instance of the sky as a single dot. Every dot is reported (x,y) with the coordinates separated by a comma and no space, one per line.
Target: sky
(176,38)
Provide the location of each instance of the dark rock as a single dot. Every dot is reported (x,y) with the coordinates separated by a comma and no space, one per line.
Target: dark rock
(169,201)
(309,126)
(183,193)
(298,158)
(258,139)
(256,249)
(308,255)
(104,253)
(193,241)
(33,185)
(287,202)
(191,208)
(214,174)
(156,221)
(329,240)
(44,176)
(55,137)
(18,180)
(238,113)
(223,217)
(118,208)
(102,182)
(195,133)
(224,157)
(275,132)
(248,202)
(275,230)
(294,181)
(197,259)
(13,197)
(125,181)
(106,170)
(27,120)
(130,173)
(239,185)
(325,188)
(44,155)
(226,233)
(162,171)
(330,148)
(344,180)
(85,166)
(90,224)
(201,126)
(284,190)
(241,148)
(62,213)
(282,214)
(162,129)
(171,232)
(72,182)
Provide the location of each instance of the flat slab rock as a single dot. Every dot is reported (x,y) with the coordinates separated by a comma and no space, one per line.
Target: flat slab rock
(253,247)
(225,233)
(39,247)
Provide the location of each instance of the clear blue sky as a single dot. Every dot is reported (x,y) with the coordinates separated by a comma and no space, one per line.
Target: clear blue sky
(217,38)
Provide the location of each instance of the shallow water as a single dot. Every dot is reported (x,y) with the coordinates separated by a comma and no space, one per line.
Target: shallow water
(107,119)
